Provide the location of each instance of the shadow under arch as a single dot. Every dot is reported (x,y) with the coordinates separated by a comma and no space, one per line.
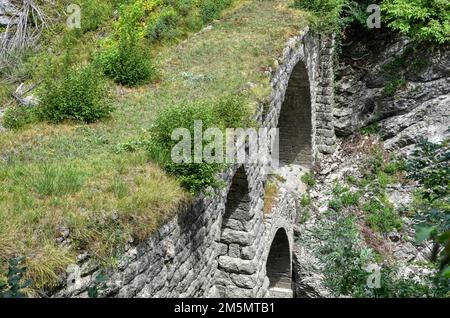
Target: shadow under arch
(278,266)
(295,121)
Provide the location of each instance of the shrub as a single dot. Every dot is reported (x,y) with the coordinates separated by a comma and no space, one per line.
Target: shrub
(350,198)
(394,166)
(308,179)
(342,255)
(94,13)
(305,200)
(125,58)
(211,9)
(325,14)
(221,114)
(419,19)
(381,216)
(429,165)
(127,63)
(77,93)
(163,25)
(19,116)
(15,284)
(392,87)
(335,204)
(345,261)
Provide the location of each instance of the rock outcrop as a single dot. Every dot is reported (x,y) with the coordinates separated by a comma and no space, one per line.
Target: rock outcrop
(398,86)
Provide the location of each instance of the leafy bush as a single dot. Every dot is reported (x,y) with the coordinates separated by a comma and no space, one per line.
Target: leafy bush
(127,63)
(15,284)
(345,262)
(419,19)
(342,255)
(308,179)
(211,9)
(305,200)
(381,216)
(350,198)
(163,25)
(94,13)
(335,204)
(76,93)
(429,165)
(125,59)
(17,117)
(221,114)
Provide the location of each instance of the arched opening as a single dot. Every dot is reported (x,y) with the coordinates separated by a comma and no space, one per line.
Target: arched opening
(295,126)
(278,266)
(238,198)
(237,214)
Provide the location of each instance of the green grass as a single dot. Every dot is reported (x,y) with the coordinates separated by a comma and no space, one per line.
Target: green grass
(70,175)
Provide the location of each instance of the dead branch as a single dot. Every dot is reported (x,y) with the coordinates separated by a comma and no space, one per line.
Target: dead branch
(23,31)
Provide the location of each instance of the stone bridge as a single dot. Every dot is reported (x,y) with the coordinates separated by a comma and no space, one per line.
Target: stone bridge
(224,245)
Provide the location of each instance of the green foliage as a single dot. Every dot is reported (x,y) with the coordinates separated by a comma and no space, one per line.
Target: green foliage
(98,285)
(342,255)
(325,14)
(211,9)
(346,261)
(74,93)
(309,179)
(221,114)
(381,216)
(394,166)
(350,199)
(427,20)
(19,116)
(305,200)
(127,63)
(125,59)
(391,88)
(335,204)
(372,129)
(163,25)
(94,13)
(54,180)
(429,165)
(13,287)
(375,161)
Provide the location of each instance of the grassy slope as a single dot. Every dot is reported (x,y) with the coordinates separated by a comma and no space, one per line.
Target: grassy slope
(69,177)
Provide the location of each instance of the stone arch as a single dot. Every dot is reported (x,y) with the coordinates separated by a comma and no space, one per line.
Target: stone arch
(278,266)
(295,120)
(237,207)
(237,269)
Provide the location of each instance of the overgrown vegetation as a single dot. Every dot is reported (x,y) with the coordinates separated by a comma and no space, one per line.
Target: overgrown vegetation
(74,94)
(228,112)
(429,165)
(65,188)
(350,237)
(421,20)
(15,284)
(346,264)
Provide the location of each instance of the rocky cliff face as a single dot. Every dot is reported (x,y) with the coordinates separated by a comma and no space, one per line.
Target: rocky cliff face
(402,87)
(398,92)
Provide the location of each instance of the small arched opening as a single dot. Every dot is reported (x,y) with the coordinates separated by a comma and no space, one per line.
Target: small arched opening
(238,198)
(278,266)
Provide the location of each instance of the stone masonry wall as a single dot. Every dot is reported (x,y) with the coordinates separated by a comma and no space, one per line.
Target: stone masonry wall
(203,252)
